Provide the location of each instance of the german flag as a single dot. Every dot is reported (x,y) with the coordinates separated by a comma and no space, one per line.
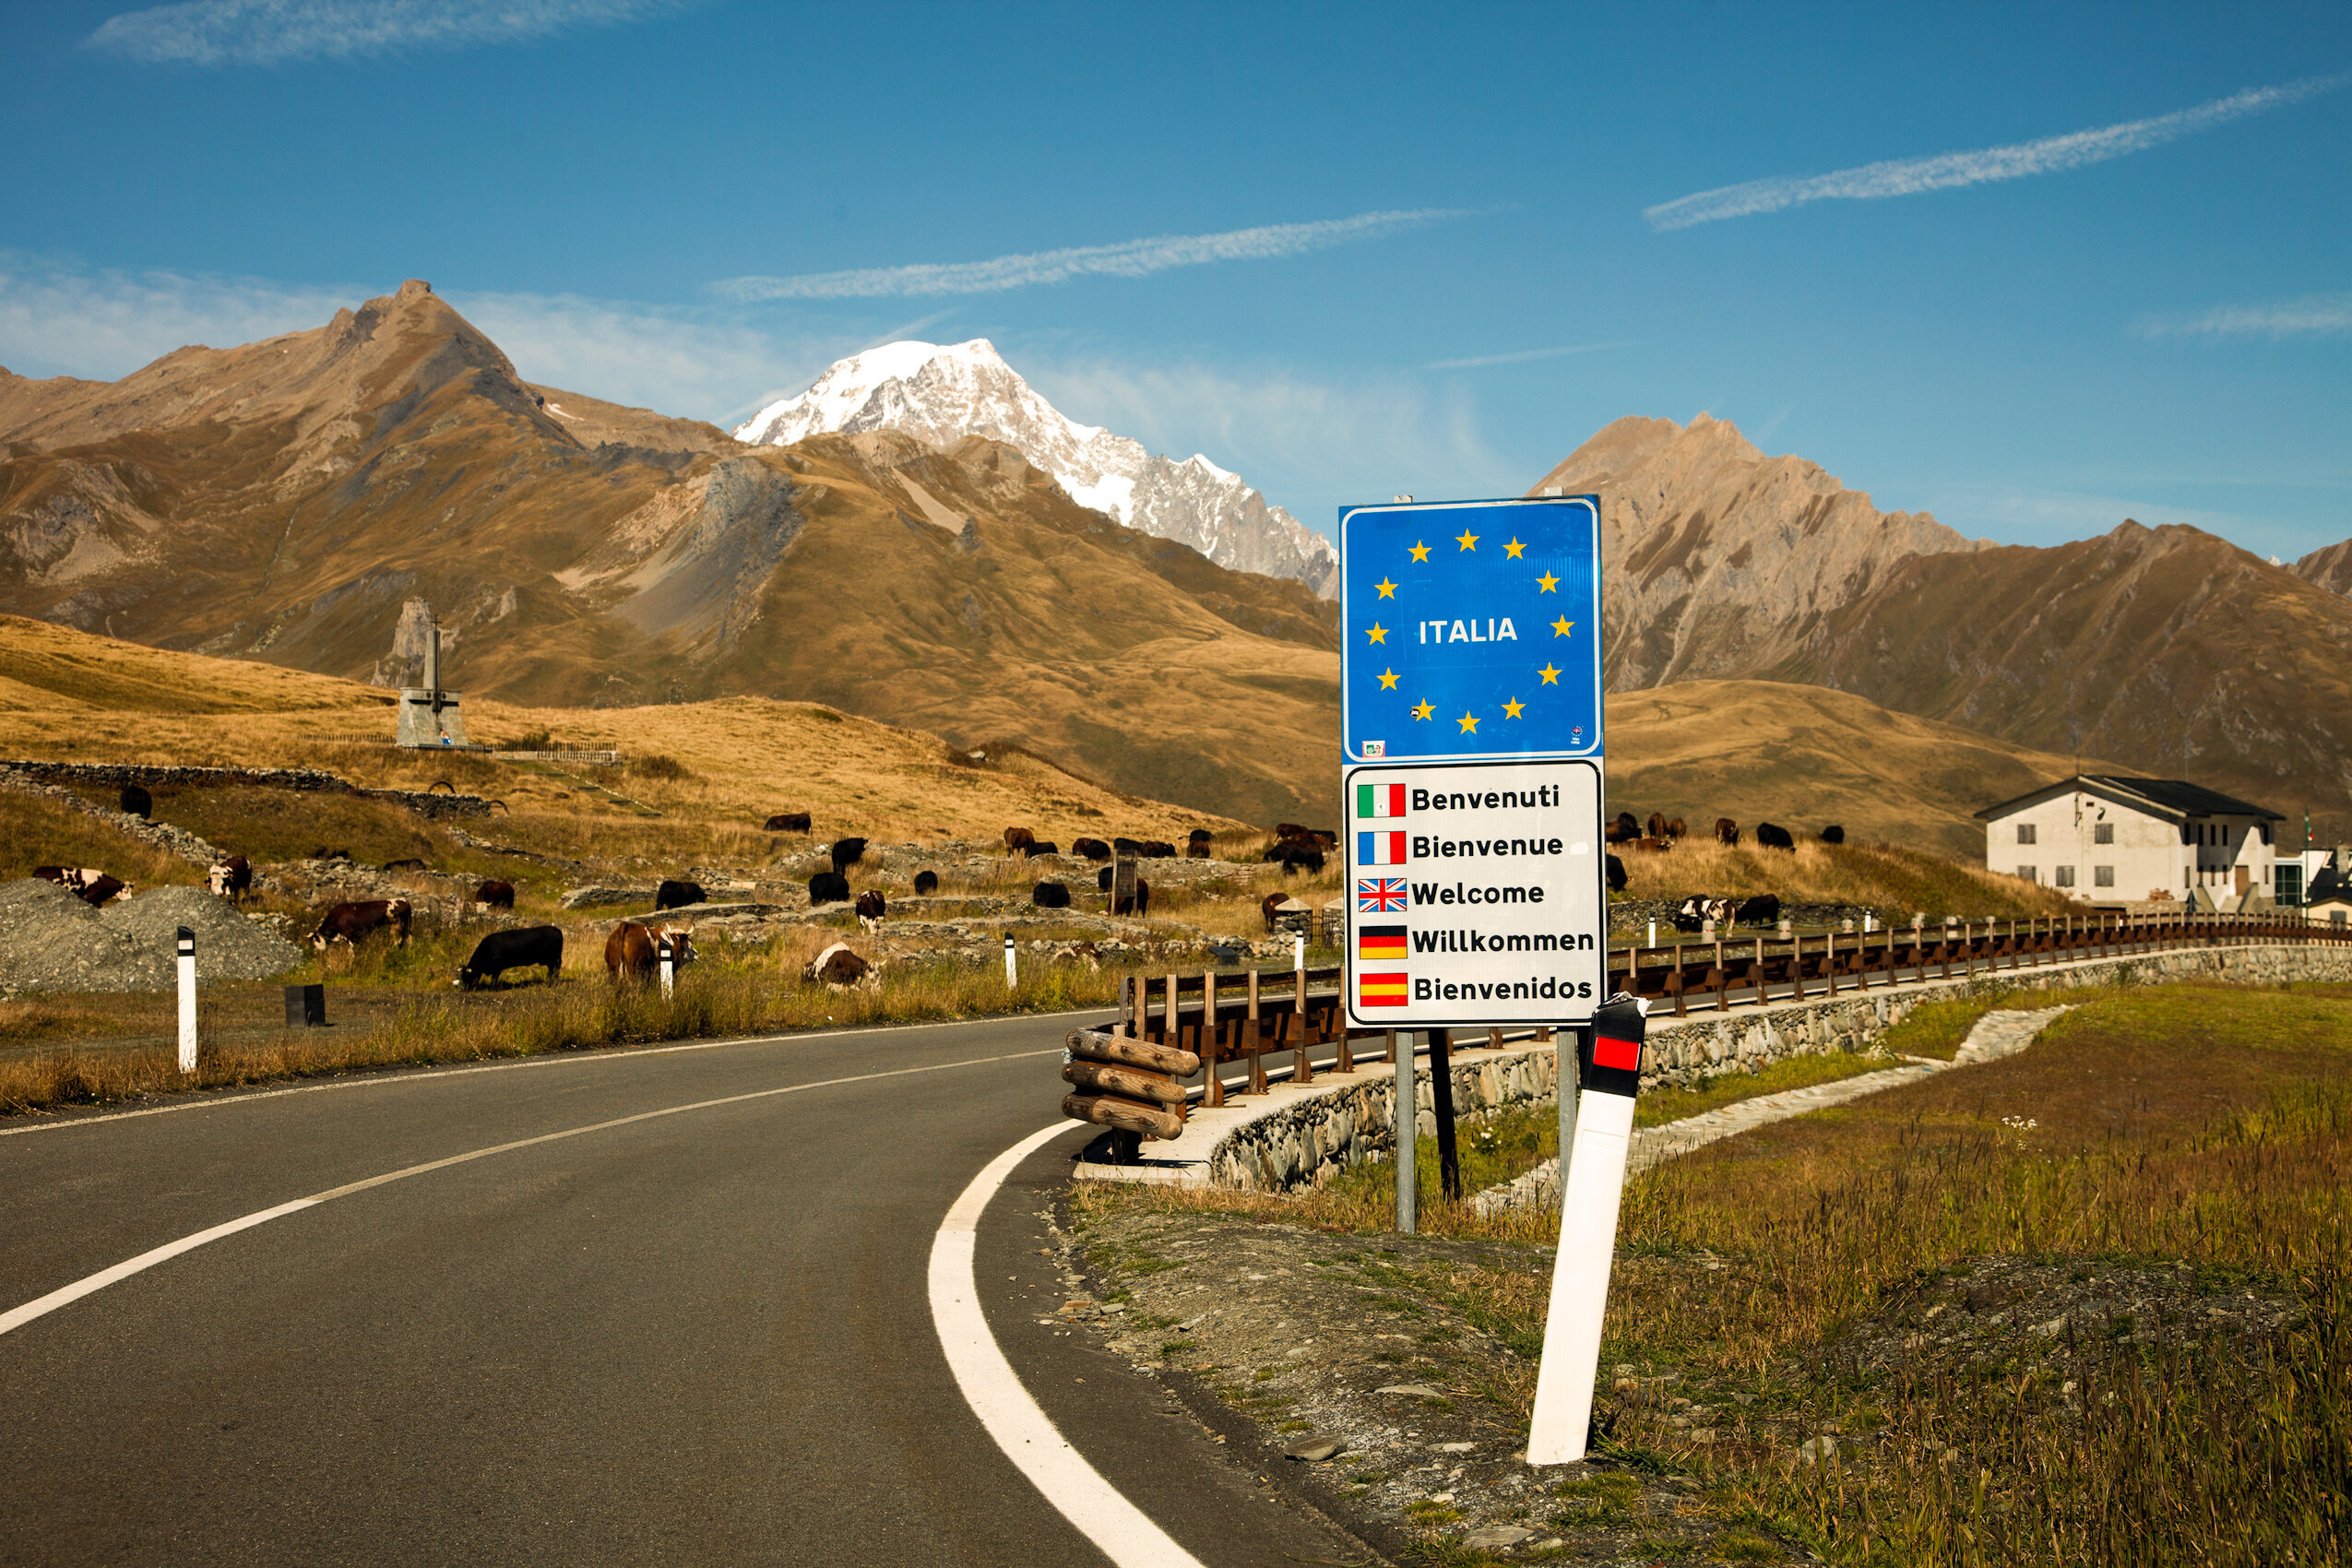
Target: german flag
(1380,991)
(1380,942)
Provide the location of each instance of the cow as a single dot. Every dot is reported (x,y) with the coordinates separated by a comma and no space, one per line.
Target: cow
(1726,831)
(1833,834)
(1158,849)
(494,896)
(1676,827)
(353,923)
(1091,848)
(871,904)
(1271,902)
(632,951)
(1138,906)
(1658,825)
(324,853)
(533,946)
(89,883)
(1043,847)
(673,895)
(1762,909)
(1696,912)
(1127,846)
(828,887)
(1017,839)
(136,801)
(1770,836)
(926,882)
(1199,836)
(838,966)
(1646,845)
(1293,856)
(1616,875)
(409,865)
(847,852)
(1624,830)
(231,878)
(1199,849)
(787,822)
(1292,830)
(1049,895)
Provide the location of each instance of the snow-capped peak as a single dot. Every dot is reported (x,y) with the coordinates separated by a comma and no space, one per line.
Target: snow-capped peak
(942,393)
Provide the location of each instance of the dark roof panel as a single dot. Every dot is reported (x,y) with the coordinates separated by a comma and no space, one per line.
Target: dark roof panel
(2166,794)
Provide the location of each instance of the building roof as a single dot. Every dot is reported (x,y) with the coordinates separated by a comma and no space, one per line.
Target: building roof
(2172,798)
(2327,888)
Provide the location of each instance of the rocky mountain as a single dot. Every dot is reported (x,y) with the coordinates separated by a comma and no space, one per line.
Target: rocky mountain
(2330,566)
(939,394)
(308,500)
(2168,650)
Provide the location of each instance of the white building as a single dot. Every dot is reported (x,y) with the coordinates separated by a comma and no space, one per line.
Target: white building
(2109,840)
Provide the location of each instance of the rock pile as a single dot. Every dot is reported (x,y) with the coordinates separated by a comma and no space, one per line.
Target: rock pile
(50,941)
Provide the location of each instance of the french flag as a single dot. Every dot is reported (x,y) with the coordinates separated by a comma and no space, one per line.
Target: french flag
(1380,849)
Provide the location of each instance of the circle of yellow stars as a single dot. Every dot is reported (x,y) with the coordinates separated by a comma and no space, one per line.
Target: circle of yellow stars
(1469,543)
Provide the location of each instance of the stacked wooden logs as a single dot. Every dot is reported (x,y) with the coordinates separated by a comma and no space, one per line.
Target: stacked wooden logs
(1130,1086)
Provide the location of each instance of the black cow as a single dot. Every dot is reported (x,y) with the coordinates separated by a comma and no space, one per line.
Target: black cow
(1157,850)
(1616,875)
(789,822)
(533,946)
(847,852)
(495,896)
(926,882)
(1092,849)
(1127,846)
(1140,904)
(1043,847)
(1199,836)
(1049,895)
(1770,837)
(138,802)
(1762,909)
(1833,834)
(676,894)
(828,887)
(1624,830)
(1293,855)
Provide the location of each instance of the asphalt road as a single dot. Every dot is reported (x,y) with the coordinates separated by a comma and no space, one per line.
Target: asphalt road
(695,1337)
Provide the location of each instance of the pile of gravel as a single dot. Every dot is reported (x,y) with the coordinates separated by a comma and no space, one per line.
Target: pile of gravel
(51,941)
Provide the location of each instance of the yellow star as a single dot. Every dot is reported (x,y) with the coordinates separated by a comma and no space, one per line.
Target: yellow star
(1470,722)
(1388,680)
(1377,632)
(1388,588)
(1511,709)
(1550,676)
(1423,710)
(1514,549)
(1547,582)
(1420,552)
(1560,628)
(1466,539)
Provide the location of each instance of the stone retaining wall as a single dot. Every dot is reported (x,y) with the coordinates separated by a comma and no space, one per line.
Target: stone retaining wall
(1312,1140)
(115,775)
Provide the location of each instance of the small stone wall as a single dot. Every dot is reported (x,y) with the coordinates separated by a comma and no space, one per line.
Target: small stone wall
(115,775)
(1312,1140)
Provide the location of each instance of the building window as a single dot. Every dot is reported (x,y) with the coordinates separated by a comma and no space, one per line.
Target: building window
(2103,833)
(2065,876)
(2102,876)
(2028,874)
(2287,880)
(2025,833)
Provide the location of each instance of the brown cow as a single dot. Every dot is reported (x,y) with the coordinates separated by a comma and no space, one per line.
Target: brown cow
(1676,827)
(1017,840)
(871,906)
(1658,825)
(89,883)
(1646,845)
(1726,831)
(1091,848)
(230,879)
(1271,902)
(630,953)
(494,896)
(1623,830)
(353,923)
(787,822)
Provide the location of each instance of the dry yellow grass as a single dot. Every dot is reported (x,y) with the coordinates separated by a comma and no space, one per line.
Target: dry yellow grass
(1897,882)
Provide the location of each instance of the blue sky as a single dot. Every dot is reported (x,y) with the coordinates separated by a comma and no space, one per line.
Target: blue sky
(1455,242)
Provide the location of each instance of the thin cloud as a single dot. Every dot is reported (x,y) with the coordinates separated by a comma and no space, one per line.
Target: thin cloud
(1912,176)
(1129,258)
(1481,362)
(267,32)
(2314,315)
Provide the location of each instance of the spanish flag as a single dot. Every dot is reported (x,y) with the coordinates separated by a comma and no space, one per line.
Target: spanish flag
(1380,942)
(1380,991)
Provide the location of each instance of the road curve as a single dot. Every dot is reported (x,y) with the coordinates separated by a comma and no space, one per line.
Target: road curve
(701,1337)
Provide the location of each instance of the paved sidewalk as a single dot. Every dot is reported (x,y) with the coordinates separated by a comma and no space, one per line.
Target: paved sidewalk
(1996,1034)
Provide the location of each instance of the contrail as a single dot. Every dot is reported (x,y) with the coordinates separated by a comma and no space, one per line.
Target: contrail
(1129,258)
(2289,318)
(261,33)
(1910,176)
(1479,362)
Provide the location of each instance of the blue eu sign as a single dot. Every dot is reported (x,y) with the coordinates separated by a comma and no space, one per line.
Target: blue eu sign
(1473,630)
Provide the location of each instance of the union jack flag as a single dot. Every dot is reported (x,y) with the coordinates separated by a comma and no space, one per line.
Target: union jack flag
(1380,895)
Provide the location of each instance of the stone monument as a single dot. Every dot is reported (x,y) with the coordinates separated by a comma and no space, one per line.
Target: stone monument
(429,716)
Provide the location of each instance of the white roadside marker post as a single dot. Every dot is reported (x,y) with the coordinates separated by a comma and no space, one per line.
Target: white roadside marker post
(1012,976)
(1592,1184)
(1408,1127)
(667,956)
(187,1001)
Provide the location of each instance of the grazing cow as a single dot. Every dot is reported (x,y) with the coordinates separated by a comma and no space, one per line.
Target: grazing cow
(1199,849)
(1158,849)
(1293,856)
(1049,895)
(1092,849)
(631,954)
(1833,834)
(1770,836)
(1199,836)
(494,896)
(409,865)
(1017,839)
(1726,831)
(136,801)
(1676,827)
(1625,830)
(676,894)
(1271,902)
(1616,875)
(926,882)
(231,878)
(89,883)
(1695,913)
(1043,847)
(789,822)
(1658,825)
(1646,845)
(353,923)
(1292,830)
(847,852)
(871,904)
(1102,879)
(1127,846)
(1762,909)
(533,946)
(1138,906)
(838,966)
(828,887)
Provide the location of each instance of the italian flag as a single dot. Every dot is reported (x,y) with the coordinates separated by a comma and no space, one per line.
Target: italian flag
(1380,849)
(1380,991)
(1380,800)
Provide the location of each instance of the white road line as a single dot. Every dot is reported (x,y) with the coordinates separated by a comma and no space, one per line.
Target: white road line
(364,1079)
(16,1318)
(1028,1437)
